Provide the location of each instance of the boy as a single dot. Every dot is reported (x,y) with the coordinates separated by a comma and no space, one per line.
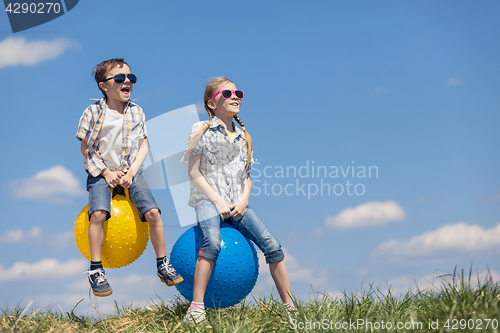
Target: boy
(113,139)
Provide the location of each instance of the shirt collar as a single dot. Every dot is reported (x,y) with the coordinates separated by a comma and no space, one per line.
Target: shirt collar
(103,105)
(216,123)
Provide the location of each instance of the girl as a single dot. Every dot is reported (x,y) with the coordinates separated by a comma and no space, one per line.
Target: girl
(220,155)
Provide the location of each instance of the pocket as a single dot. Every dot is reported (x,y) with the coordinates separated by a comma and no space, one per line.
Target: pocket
(91,181)
(212,154)
(135,135)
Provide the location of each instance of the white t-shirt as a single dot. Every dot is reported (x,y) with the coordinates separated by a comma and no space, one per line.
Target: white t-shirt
(110,139)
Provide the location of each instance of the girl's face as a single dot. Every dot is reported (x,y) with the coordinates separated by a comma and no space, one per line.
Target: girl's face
(226,107)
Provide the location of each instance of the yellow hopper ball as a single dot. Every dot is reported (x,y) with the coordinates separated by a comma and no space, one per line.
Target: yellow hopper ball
(125,235)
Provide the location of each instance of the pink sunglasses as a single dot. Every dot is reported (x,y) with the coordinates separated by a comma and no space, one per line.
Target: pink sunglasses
(226,94)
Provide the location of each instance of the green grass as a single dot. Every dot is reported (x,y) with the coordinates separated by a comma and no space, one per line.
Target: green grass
(456,302)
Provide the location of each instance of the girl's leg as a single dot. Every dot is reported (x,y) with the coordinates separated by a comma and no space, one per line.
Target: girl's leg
(252,227)
(209,224)
(201,276)
(280,277)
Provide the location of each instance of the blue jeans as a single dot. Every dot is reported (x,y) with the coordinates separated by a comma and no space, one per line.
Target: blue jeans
(100,196)
(250,225)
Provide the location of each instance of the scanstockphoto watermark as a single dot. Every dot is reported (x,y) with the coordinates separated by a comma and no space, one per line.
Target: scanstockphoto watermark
(369,325)
(356,324)
(310,180)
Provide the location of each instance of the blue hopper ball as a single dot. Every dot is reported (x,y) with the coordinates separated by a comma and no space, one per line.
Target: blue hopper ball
(234,273)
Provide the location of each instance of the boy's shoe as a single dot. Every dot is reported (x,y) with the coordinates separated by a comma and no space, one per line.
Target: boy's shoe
(98,282)
(167,274)
(195,316)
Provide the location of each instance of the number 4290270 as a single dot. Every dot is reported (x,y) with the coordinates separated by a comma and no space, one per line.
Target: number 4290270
(33,8)
(478,324)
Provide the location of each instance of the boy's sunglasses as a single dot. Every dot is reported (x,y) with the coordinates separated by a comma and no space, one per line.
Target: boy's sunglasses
(226,94)
(120,78)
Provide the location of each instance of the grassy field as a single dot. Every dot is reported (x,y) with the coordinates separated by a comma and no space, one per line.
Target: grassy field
(457,306)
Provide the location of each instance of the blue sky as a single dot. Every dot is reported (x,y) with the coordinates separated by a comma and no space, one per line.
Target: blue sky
(407,88)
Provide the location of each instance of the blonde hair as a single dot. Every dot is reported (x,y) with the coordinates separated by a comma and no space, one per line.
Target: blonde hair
(212,86)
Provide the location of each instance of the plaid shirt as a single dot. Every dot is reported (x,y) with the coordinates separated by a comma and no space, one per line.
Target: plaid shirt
(134,128)
(222,167)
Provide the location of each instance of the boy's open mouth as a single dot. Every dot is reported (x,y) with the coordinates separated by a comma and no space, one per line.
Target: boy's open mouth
(125,90)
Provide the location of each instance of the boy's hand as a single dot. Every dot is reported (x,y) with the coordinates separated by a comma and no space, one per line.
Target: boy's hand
(238,210)
(112,177)
(126,180)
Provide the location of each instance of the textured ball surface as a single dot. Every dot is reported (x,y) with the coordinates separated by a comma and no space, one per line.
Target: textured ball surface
(125,235)
(234,273)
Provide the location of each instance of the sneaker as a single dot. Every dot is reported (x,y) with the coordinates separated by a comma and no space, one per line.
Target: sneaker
(195,316)
(98,282)
(167,274)
(291,311)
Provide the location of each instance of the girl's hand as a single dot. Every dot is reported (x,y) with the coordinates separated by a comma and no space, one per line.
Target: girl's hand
(112,177)
(222,209)
(238,210)
(126,181)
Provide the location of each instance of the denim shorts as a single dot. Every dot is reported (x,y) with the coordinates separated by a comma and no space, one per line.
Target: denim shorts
(100,196)
(250,225)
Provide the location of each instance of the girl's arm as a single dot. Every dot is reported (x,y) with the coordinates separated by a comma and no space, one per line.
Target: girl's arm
(200,182)
(239,209)
(126,181)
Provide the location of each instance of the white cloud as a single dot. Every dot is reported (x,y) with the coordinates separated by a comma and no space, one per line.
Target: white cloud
(17,236)
(368,215)
(455,238)
(44,269)
(36,237)
(403,284)
(492,197)
(422,199)
(17,51)
(56,184)
(380,90)
(453,81)
(302,277)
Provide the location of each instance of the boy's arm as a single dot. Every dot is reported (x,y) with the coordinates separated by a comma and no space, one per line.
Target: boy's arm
(126,181)
(84,148)
(200,182)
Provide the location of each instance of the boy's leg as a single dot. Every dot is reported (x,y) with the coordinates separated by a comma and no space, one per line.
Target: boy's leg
(99,211)
(156,231)
(252,227)
(150,213)
(99,208)
(96,234)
